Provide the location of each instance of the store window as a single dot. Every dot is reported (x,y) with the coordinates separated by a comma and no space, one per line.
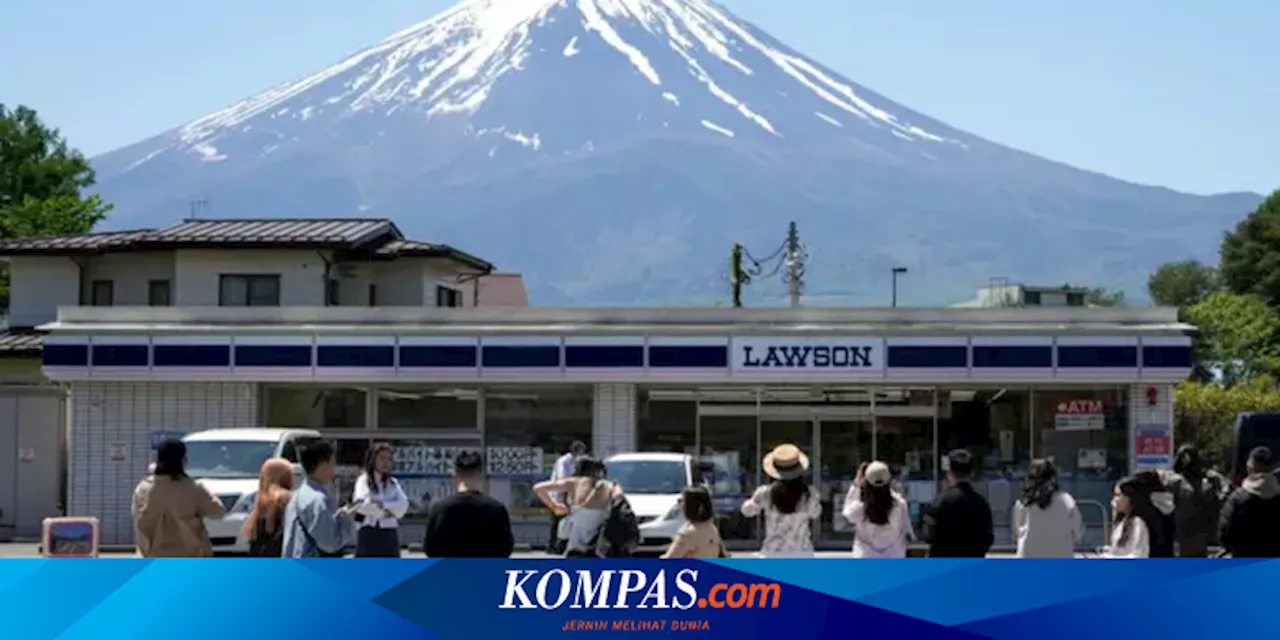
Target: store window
(426,408)
(526,429)
(1086,434)
(994,425)
(665,424)
(312,407)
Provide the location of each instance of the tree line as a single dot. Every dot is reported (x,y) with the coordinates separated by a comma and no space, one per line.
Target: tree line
(1235,306)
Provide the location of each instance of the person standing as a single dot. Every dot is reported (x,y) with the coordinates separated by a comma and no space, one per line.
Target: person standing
(468,524)
(585,512)
(1046,520)
(562,469)
(1198,506)
(788,504)
(169,509)
(1136,518)
(880,517)
(380,503)
(1250,523)
(959,524)
(314,526)
(264,528)
(699,537)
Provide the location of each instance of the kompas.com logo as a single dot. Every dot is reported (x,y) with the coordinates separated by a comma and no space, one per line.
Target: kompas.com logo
(631,588)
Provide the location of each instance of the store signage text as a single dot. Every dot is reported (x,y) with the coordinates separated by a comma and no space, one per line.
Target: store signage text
(803,356)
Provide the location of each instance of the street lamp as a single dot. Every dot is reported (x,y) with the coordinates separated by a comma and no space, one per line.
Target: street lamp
(896,272)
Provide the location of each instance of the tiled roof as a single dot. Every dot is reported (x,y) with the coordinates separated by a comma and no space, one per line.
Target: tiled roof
(19,343)
(378,235)
(87,242)
(311,231)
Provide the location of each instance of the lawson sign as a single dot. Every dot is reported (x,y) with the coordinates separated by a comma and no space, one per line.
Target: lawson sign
(847,355)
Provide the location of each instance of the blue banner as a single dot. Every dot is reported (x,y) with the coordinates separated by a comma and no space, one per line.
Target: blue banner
(738,599)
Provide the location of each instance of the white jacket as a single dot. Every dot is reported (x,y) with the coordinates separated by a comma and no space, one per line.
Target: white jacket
(1051,532)
(871,540)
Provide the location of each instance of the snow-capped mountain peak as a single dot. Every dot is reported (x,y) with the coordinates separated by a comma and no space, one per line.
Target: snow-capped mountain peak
(685,51)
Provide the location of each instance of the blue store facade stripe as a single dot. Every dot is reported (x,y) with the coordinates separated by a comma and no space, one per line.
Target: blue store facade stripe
(356,356)
(925,357)
(269,356)
(1012,357)
(603,356)
(121,355)
(66,355)
(1109,357)
(438,357)
(196,355)
(521,357)
(1172,357)
(688,357)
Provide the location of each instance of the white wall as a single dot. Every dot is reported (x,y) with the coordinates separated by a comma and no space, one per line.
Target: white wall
(104,414)
(130,274)
(302,274)
(38,285)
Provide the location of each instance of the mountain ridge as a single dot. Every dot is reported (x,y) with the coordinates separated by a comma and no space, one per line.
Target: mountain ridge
(738,135)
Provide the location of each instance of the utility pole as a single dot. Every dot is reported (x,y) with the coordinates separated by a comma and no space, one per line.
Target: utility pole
(738,275)
(795,264)
(897,271)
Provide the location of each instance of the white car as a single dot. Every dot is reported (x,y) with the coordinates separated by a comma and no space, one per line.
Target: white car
(227,462)
(653,482)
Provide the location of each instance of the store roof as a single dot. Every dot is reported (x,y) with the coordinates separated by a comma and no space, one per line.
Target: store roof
(628,321)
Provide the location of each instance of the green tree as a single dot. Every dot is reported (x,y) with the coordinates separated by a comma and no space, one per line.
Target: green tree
(1205,413)
(1102,297)
(1182,284)
(1240,336)
(42,182)
(1249,260)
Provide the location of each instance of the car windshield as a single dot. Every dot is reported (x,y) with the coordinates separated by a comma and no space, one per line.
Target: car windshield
(227,458)
(648,476)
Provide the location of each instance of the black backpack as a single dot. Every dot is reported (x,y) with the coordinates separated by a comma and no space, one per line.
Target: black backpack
(620,534)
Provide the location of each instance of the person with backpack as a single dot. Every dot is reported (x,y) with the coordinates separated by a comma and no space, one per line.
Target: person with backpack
(314,525)
(1250,523)
(1198,506)
(596,511)
(264,528)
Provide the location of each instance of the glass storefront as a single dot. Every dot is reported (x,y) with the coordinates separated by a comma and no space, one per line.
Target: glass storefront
(525,428)
(910,429)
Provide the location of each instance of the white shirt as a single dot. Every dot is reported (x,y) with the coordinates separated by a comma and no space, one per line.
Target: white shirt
(1051,532)
(872,540)
(1138,545)
(394,503)
(563,469)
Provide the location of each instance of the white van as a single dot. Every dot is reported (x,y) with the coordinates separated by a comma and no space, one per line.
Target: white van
(653,482)
(227,462)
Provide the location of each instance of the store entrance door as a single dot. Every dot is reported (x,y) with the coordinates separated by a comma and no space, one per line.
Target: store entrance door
(843,445)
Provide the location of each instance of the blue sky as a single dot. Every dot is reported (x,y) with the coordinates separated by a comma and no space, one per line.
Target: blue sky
(1181,93)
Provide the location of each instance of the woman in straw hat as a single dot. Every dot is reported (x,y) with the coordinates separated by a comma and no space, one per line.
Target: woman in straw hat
(787,504)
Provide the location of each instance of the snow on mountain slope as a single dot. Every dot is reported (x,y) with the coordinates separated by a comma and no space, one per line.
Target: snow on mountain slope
(694,56)
(614,149)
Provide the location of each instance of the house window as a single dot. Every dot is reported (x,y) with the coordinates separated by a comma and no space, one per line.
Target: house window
(331,292)
(448,297)
(101,293)
(373,295)
(1031,298)
(158,294)
(249,290)
(1075,299)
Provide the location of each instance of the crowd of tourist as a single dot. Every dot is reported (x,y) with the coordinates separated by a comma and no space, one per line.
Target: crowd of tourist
(1182,512)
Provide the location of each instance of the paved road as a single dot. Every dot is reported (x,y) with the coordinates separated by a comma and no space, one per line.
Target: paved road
(32,550)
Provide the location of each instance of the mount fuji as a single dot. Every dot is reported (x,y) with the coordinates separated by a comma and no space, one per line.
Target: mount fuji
(613,150)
